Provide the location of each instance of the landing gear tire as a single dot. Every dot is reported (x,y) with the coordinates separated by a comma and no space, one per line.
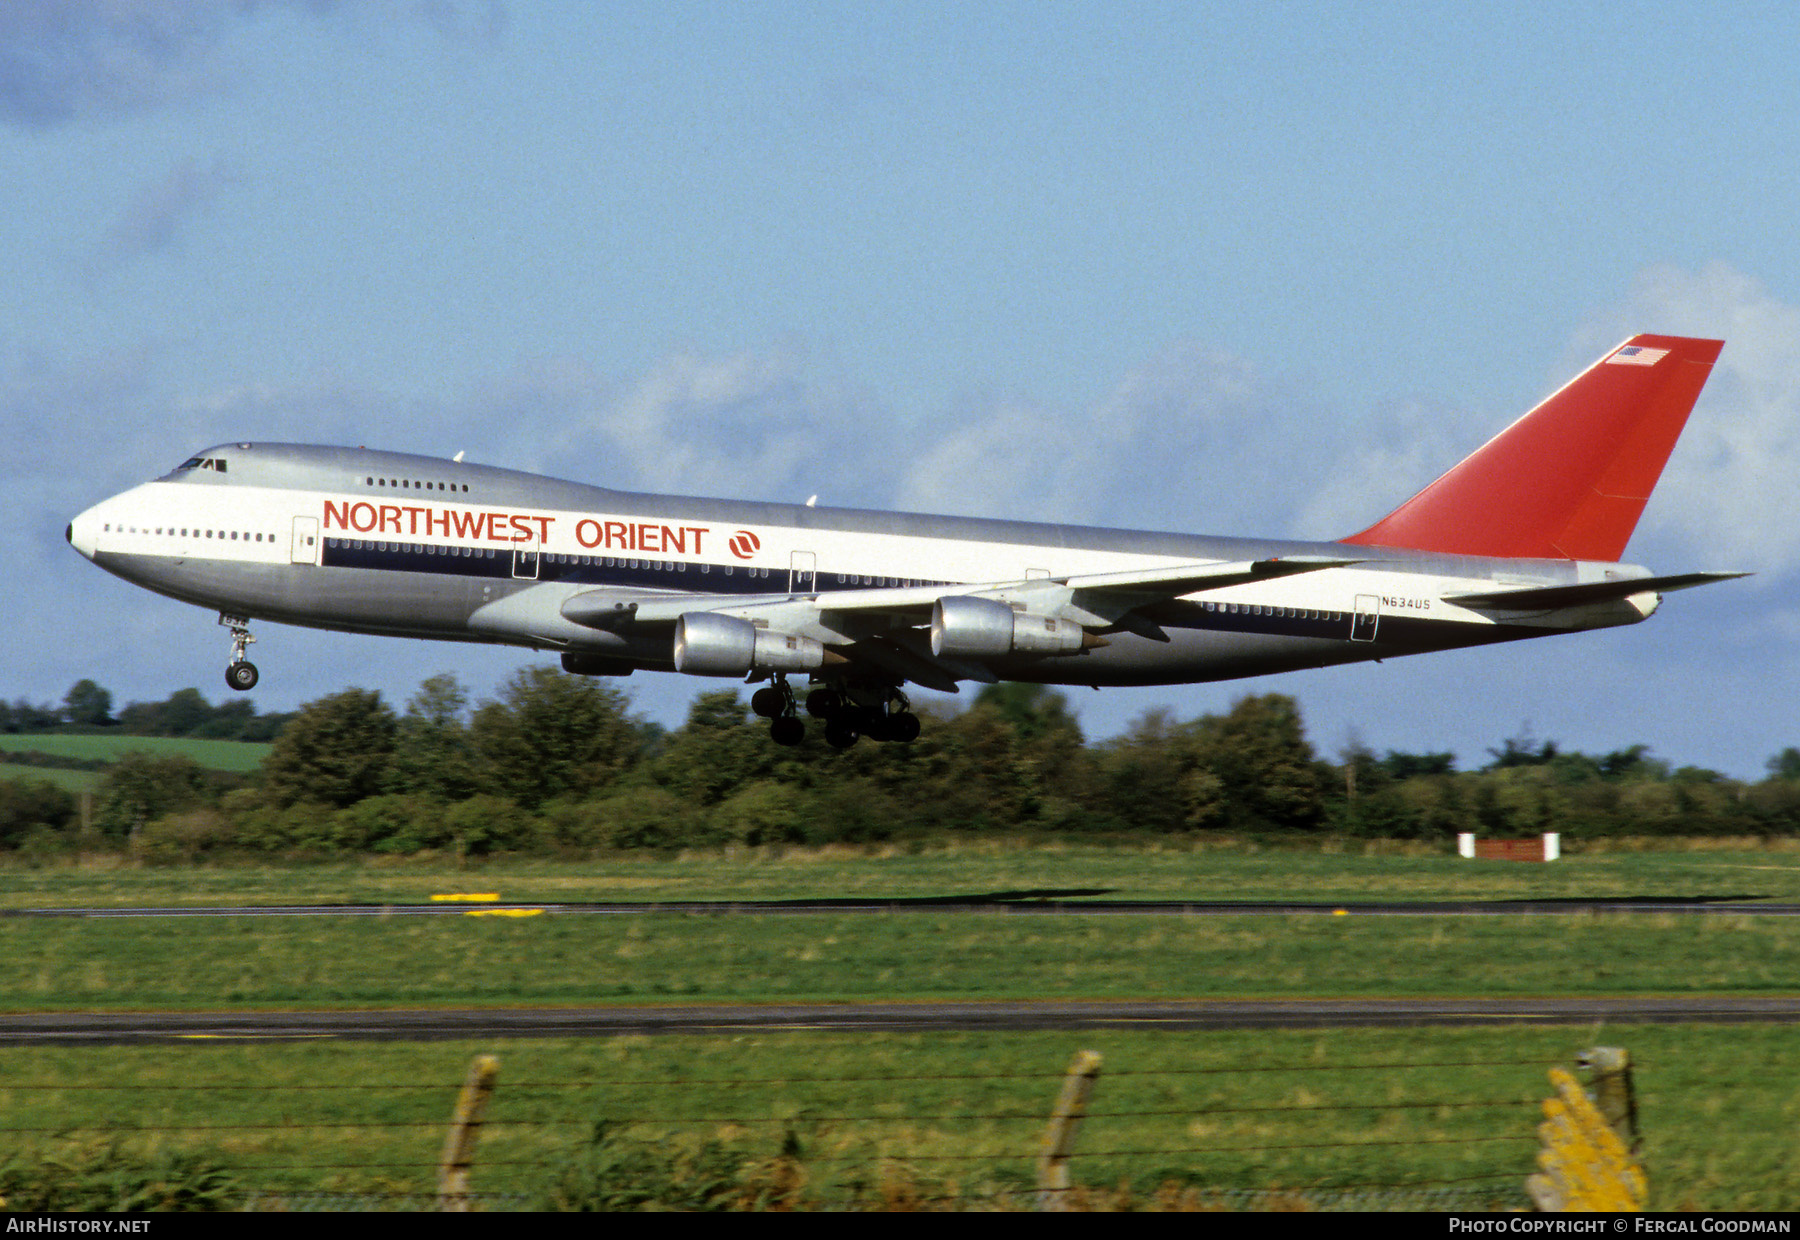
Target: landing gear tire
(824,703)
(787,730)
(240,673)
(839,734)
(768,702)
(903,726)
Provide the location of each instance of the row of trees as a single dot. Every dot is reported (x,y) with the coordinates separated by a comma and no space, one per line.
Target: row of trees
(559,762)
(89,707)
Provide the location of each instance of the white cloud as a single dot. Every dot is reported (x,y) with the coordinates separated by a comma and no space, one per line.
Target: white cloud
(1397,455)
(63,60)
(753,424)
(1193,439)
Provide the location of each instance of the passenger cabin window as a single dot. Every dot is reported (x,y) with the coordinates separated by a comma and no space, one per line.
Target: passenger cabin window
(411,484)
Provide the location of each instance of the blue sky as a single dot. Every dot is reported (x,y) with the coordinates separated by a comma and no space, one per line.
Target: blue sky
(1221,268)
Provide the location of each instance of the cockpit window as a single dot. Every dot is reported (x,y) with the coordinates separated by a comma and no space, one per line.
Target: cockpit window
(203,462)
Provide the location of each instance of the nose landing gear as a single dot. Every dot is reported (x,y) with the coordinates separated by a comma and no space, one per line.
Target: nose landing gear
(240,674)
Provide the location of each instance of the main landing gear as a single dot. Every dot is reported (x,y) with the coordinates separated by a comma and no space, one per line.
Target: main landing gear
(240,674)
(850,711)
(775,702)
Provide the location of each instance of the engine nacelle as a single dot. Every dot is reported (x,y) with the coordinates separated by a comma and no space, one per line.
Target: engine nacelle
(966,627)
(710,644)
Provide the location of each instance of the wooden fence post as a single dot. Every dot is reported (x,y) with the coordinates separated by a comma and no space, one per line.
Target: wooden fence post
(465,1127)
(1610,1084)
(1059,1137)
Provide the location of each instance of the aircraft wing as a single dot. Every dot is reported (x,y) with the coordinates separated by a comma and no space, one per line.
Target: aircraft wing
(1534,598)
(1091,599)
(885,626)
(1103,599)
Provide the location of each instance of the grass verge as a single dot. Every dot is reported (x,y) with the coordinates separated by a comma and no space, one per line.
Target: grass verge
(1399,1119)
(239,757)
(1189,869)
(223,962)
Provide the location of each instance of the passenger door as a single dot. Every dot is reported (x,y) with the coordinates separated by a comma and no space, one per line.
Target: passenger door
(305,549)
(803,573)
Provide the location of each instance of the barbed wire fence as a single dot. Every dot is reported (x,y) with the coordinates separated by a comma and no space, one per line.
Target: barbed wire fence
(1399,1134)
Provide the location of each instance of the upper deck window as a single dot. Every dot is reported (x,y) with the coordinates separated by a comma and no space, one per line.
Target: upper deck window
(410,484)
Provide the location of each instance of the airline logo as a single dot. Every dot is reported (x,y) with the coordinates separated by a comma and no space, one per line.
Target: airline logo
(1637,355)
(472,525)
(744,544)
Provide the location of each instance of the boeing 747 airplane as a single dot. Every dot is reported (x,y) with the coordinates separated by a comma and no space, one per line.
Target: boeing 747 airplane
(1522,539)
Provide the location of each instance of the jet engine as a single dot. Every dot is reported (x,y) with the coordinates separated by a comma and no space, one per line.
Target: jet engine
(710,644)
(966,627)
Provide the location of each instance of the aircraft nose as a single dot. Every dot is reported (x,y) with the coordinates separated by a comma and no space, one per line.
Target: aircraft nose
(81,531)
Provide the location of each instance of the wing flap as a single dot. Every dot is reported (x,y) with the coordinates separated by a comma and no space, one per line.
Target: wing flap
(1192,578)
(1105,599)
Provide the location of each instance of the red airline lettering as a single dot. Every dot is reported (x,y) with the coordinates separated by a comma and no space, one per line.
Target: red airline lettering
(511,527)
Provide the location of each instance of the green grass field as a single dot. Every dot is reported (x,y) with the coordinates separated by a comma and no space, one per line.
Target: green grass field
(1180,870)
(69,781)
(239,757)
(113,963)
(914,1119)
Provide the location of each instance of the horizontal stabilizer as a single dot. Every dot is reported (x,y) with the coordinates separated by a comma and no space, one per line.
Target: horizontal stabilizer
(1532,598)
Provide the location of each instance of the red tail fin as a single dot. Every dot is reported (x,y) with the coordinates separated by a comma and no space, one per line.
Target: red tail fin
(1569,479)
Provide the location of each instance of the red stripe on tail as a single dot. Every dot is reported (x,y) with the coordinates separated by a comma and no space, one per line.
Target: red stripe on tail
(1569,479)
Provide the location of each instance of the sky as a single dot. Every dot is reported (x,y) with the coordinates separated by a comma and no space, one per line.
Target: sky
(1227,269)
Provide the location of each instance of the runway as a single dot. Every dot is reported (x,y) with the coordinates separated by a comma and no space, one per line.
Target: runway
(1062,902)
(137,1028)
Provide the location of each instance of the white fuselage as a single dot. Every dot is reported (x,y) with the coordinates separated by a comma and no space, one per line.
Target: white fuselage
(389,543)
